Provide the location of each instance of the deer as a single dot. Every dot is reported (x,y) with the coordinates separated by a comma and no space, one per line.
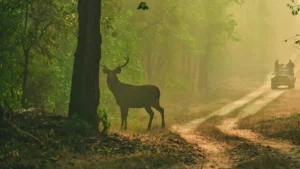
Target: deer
(133,96)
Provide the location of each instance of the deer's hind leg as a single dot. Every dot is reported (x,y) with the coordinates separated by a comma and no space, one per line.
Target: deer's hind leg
(151,113)
(157,106)
(122,119)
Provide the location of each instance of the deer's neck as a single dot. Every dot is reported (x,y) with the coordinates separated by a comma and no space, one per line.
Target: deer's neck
(114,84)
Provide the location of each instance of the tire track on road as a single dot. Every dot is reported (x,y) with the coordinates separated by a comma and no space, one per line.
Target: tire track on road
(215,150)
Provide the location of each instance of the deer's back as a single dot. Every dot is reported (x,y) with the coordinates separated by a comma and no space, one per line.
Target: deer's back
(136,96)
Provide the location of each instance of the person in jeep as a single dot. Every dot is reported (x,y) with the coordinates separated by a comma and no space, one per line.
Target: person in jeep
(290,65)
(276,66)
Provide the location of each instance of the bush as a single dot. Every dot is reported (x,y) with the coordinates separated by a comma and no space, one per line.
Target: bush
(77,126)
(102,116)
(42,83)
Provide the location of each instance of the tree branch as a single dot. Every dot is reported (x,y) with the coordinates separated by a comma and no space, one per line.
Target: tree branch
(42,33)
(25,133)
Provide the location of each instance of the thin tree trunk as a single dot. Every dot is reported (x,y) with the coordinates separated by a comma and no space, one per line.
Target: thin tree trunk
(26,58)
(204,65)
(196,74)
(1,113)
(187,66)
(25,76)
(85,92)
(200,74)
(12,77)
(148,66)
(203,87)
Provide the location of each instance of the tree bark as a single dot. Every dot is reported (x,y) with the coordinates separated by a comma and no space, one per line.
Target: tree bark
(85,92)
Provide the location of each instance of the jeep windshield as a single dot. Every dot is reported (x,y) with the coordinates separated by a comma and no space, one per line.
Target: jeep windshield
(282,72)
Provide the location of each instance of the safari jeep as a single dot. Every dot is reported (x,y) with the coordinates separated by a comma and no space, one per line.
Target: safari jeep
(283,76)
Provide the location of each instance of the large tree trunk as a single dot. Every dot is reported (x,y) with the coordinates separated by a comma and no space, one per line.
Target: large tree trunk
(85,92)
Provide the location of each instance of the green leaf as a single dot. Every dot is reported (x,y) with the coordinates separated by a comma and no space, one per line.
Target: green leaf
(143,6)
(53,159)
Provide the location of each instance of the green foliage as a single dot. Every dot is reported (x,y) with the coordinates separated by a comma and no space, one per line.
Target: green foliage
(47,30)
(43,84)
(76,126)
(295,8)
(10,71)
(102,116)
(143,6)
(297,42)
(121,39)
(159,41)
(156,41)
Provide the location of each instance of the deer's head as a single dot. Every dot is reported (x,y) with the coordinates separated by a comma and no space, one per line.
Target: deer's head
(112,73)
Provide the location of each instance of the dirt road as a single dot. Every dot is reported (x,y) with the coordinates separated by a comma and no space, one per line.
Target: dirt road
(235,152)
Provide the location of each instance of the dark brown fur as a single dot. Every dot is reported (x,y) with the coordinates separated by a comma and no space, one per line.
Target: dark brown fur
(131,96)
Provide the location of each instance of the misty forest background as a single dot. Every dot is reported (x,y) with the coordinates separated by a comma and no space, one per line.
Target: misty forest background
(192,51)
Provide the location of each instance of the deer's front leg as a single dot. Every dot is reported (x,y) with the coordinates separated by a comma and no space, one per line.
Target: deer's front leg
(124,113)
(125,117)
(122,118)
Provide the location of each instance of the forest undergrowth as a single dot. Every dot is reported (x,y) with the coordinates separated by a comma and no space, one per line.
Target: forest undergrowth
(33,139)
(36,141)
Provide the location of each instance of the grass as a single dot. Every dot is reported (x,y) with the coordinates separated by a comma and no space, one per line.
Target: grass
(280,119)
(281,127)
(180,107)
(266,162)
(138,119)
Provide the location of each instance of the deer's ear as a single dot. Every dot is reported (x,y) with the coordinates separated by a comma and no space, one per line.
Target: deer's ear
(105,71)
(118,70)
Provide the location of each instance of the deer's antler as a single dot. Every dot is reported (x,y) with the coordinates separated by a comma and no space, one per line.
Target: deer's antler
(103,65)
(127,60)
